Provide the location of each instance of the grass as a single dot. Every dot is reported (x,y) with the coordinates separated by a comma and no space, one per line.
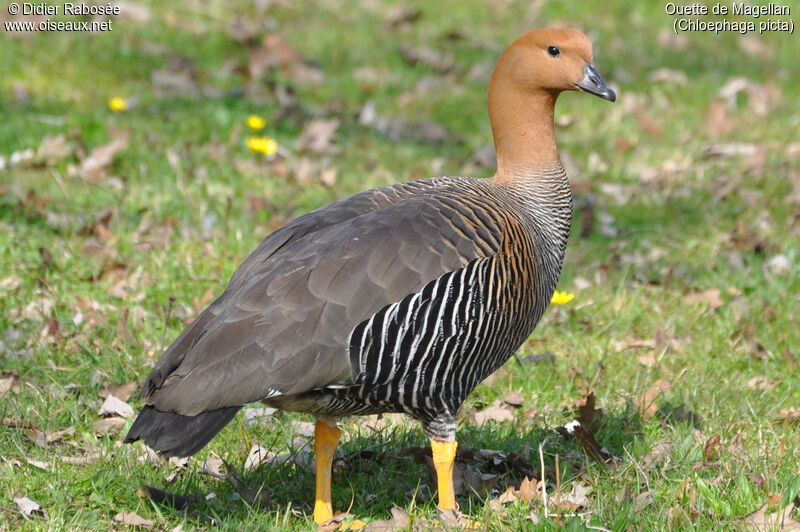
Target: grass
(663,222)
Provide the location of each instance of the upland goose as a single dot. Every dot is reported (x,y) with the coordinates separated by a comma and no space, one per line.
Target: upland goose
(398,299)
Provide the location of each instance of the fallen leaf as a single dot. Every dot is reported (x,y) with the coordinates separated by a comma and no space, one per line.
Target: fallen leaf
(395,128)
(9,382)
(573,501)
(681,413)
(94,166)
(328,176)
(304,428)
(781,520)
(778,265)
(28,506)
(668,75)
(108,425)
(647,402)
(710,298)
(497,411)
(400,15)
(178,76)
(514,398)
(275,52)
(760,97)
(660,452)
(429,57)
(257,456)
(760,382)
(588,415)
(453,519)
(648,361)
(733,149)
(258,416)
(317,135)
(588,442)
(399,521)
(53,149)
(479,483)
(717,122)
(642,501)
(789,415)
(174,500)
(114,406)
(121,391)
(711,449)
(132,519)
(757,480)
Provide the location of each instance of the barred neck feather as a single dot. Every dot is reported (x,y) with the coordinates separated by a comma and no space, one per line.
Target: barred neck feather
(544,198)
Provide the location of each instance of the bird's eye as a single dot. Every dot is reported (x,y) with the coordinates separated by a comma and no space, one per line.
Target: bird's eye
(553,51)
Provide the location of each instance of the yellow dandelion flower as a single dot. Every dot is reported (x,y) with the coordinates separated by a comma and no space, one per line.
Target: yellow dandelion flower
(255,122)
(117,104)
(264,145)
(560,297)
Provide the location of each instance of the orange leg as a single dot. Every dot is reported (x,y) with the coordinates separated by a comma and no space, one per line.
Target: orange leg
(444,454)
(327,438)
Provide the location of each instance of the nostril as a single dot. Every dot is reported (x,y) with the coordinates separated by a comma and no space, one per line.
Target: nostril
(594,81)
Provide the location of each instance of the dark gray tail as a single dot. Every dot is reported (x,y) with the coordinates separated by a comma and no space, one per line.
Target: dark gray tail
(176,435)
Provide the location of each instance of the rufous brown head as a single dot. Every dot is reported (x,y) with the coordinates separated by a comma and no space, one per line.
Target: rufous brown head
(554,59)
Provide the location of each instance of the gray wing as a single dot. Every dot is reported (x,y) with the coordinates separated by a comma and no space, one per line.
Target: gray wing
(282,325)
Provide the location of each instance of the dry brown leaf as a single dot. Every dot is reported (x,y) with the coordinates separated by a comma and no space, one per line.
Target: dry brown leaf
(642,501)
(781,520)
(121,391)
(789,415)
(647,360)
(317,135)
(711,449)
(304,428)
(114,406)
(497,411)
(588,442)
(400,16)
(510,495)
(760,382)
(9,382)
(527,490)
(717,121)
(94,166)
(668,75)
(27,506)
(257,456)
(399,521)
(660,452)
(429,57)
(395,128)
(648,124)
(477,482)
(178,76)
(108,424)
(647,402)
(572,501)
(53,149)
(276,53)
(710,298)
(132,519)
(328,176)
(9,284)
(514,398)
